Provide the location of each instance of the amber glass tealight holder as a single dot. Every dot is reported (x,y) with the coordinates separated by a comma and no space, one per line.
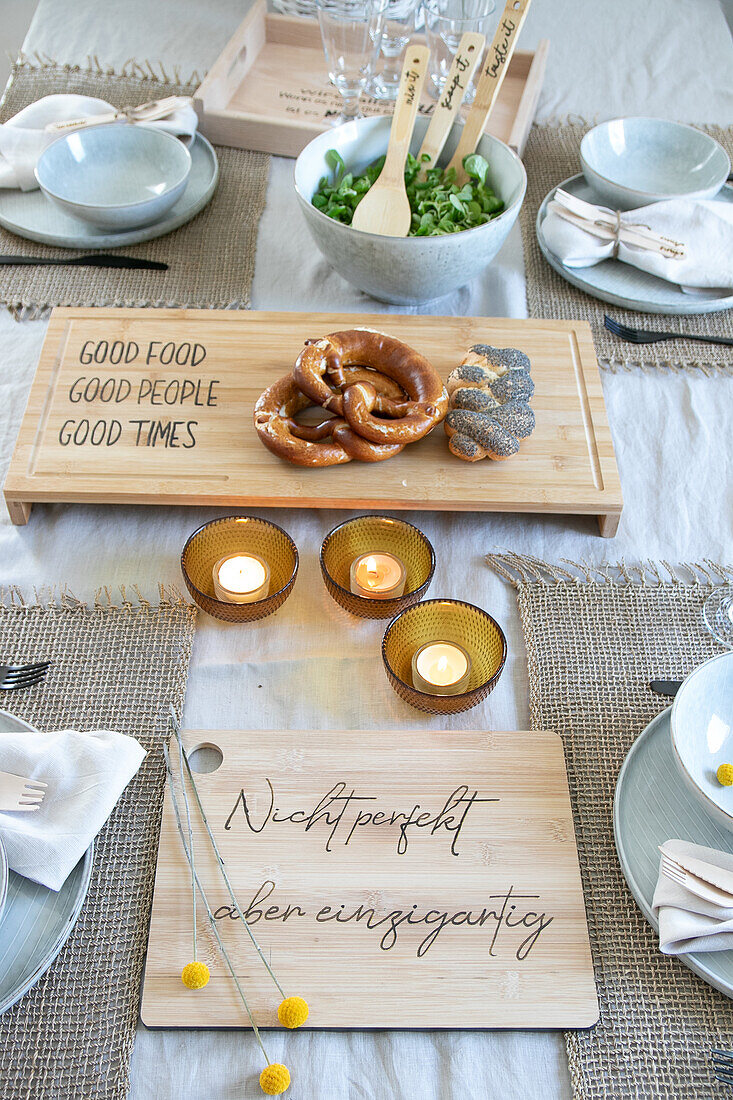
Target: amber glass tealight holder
(239,535)
(453,621)
(369,535)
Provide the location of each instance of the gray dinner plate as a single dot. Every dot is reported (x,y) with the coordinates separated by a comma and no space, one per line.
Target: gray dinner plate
(3,877)
(31,215)
(652,805)
(621,284)
(36,921)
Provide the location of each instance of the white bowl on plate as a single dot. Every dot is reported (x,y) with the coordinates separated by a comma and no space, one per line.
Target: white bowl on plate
(632,162)
(702,734)
(116,176)
(405,270)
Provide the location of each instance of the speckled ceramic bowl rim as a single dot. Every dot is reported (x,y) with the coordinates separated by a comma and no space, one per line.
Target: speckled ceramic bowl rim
(640,190)
(116,205)
(672,725)
(352,595)
(464,234)
(458,603)
(225,603)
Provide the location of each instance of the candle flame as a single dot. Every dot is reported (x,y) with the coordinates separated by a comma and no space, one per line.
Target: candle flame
(372,571)
(442,663)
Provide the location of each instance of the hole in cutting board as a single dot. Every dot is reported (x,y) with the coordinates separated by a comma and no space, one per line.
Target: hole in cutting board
(205,758)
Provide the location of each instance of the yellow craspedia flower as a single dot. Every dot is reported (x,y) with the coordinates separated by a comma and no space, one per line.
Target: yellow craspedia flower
(195,975)
(274,1079)
(293,1012)
(725,775)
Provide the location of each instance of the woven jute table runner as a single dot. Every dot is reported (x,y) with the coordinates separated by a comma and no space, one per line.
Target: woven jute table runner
(115,666)
(594,638)
(211,259)
(551,155)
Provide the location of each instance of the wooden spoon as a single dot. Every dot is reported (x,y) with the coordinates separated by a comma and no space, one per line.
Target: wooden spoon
(385,209)
(495,66)
(446,111)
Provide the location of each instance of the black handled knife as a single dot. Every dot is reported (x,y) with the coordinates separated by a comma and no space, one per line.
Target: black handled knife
(666,687)
(93,259)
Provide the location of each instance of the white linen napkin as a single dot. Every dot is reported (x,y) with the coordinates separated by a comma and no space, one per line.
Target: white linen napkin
(86,773)
(24,137)
(703,227)
(688,922)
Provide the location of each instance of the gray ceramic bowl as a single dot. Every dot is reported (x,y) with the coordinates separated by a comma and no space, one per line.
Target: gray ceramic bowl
(405,270)
(632,162)
(702,734)
(116,176)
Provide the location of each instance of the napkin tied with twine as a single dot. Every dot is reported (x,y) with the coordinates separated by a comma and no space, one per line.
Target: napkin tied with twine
(85,775)
(25,136)
(689,243)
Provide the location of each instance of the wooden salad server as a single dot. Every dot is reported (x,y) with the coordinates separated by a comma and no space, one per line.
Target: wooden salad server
(448,107)
(385,209)
(495,66)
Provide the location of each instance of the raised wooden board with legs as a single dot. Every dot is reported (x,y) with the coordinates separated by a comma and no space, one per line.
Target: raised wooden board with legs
(421,879)
(143,406)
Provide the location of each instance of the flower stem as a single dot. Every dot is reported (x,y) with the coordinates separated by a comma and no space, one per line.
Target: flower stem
(220,861)
(205,902)
(191,855)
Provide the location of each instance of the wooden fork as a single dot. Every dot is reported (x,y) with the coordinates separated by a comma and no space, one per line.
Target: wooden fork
(20,794)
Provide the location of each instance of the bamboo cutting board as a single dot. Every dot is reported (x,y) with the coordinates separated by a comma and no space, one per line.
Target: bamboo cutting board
(141,406)
(470,916)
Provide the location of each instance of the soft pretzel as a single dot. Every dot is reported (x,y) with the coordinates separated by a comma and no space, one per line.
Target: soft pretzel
(321,373)
(329,443)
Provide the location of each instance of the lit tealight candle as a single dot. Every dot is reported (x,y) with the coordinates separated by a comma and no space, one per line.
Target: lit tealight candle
(241,578)
(378,576)
(441,668)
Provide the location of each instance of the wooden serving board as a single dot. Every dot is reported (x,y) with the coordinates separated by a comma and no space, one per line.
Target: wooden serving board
(486,872)
(269,89)
(151,430)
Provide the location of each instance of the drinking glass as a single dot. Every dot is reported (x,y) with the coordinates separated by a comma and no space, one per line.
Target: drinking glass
(399,22)
(350,32)
(718,615)
(445,22)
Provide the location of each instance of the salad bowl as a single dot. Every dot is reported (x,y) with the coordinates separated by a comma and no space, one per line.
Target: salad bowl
(405,270)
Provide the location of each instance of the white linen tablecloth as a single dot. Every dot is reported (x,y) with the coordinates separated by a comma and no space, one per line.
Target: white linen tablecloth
(673,443)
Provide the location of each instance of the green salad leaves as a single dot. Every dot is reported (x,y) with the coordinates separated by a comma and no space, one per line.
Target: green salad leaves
(438,205)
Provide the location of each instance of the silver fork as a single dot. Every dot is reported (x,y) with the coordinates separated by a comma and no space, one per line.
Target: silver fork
(18,793)
(16,677)
(723,1065)
(653,336)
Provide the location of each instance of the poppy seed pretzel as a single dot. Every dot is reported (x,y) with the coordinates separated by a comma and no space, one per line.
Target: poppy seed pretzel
(321,374)
(489,398)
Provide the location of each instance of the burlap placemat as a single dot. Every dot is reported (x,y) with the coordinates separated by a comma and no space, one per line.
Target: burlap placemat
(116,667)
(594,638)
(551,155)
(211,259)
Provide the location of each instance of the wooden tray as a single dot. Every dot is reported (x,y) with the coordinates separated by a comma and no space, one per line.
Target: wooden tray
(520,842)
(214,456)
(269,89)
